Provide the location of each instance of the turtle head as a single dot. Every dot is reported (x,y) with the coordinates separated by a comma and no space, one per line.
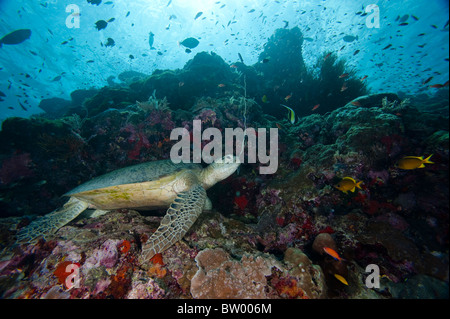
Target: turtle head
(220,169)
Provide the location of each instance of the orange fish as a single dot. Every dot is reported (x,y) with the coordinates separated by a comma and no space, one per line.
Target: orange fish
(343,75)
(221,85)
(363,78)
(327,56)
(356,103)
(234,66)
(438,86)
(332,253)
(288,97)
(341,279)
(344,87)
(315,107)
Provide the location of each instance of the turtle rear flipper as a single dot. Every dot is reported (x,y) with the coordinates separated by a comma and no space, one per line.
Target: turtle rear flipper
(180,216)
(50,223)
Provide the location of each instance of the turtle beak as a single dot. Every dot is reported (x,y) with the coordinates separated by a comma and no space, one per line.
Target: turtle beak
(228,159)
(228,165)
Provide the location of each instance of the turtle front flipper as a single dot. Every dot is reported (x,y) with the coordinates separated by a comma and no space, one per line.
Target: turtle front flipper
(180,216)
(50,223)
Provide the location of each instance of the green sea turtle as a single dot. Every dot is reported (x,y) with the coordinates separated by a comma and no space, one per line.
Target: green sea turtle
(181,187)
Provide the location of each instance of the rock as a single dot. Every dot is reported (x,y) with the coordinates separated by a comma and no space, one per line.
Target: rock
(323,240)
(420,287)
(309,278)
(55,107)
(221,277)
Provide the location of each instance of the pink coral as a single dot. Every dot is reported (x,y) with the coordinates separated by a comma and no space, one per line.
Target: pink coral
(161,117)
(107,255)
(207,116)
(268,197)
(149,290)
(137,138)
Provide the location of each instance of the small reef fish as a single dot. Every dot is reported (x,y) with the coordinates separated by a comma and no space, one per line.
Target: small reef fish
(427,80)
(101,24)
(288,97)
(349,38)
(110,42)
(355,103)
(315,107)
(240,58)
(356,52)
(151,39)
(439,86)
(343,75)
(15,37)
(291,114)
(404,18)
(198,15)
(348,184)
(363,78)
(221,85)
(21,105)
(327,56)
(413,162)
(341,279)
(344,87)
(332,253)
(190,43)
(264,99)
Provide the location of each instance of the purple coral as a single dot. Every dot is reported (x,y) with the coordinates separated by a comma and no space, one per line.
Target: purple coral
(270,197)
(208,117)
(16,167)
(107,255)
(161,117)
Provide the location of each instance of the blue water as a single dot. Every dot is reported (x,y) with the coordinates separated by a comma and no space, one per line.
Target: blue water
(44,66)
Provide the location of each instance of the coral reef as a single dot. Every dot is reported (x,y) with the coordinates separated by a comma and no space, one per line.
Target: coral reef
(221,277)
(265,235)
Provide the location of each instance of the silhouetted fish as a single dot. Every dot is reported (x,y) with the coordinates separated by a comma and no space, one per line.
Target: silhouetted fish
(97,2)
(190,43)
(151,39)
(198,15)
(110,42)
(349,38)
(16,37)
(101,24)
